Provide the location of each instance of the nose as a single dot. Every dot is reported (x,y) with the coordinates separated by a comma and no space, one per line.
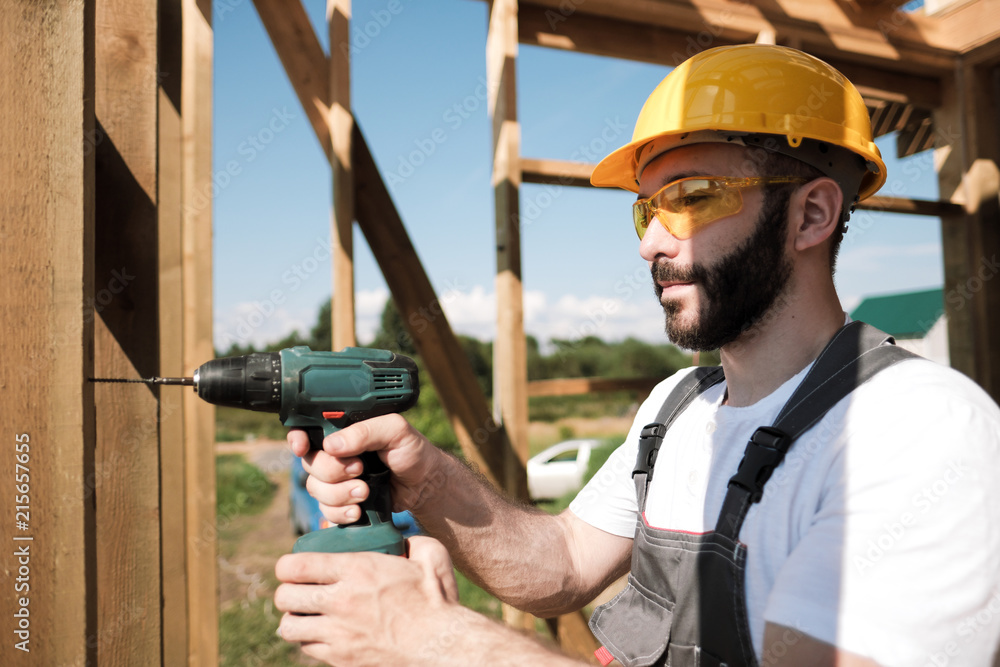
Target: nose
(658,242)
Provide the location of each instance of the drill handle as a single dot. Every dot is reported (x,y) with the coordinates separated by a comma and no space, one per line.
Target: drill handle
(377,507)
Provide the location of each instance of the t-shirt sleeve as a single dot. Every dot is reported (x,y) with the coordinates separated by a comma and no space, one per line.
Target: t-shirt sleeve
(608,500)
(899,563)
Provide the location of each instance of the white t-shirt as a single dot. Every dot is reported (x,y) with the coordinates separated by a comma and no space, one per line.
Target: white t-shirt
(880,531)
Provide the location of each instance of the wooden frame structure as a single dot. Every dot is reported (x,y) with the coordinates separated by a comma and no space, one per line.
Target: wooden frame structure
(106,223)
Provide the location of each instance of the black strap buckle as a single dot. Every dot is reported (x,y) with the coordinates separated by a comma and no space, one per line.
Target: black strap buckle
(650,440)
(763,454)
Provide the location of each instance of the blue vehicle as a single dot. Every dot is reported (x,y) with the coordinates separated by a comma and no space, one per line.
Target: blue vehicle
(305,515)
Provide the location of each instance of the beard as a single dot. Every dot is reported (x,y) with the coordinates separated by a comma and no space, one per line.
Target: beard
(739,289)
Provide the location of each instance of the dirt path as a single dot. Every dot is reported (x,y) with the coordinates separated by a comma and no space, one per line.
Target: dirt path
(248,573)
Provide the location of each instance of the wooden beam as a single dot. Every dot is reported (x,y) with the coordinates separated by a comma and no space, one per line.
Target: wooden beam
(673,31)
(911,206)
(47,137)
(127,490)
(483,441)
(199,416)
(968,26)
(340,121)
(171,333)
(571,386)
(556,172)
(302,56)
(876,37)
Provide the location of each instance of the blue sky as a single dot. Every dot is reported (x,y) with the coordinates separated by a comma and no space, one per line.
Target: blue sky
(419,95)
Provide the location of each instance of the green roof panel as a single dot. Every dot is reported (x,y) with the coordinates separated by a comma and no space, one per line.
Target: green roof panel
(909,315)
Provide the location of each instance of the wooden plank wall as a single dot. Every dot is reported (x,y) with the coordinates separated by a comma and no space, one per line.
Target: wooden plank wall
(46,284)
(107,272)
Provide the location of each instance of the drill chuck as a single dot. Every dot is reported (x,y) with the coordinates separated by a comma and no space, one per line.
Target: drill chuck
(250,382)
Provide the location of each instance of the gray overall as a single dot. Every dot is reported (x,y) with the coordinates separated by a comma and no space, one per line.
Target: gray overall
(685,603)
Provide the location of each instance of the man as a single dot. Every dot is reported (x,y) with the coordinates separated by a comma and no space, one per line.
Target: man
(874,542)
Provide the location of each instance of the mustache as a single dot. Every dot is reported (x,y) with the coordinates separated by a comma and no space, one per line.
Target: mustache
(667,272)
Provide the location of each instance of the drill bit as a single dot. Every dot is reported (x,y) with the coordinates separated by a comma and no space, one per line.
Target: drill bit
(153,380)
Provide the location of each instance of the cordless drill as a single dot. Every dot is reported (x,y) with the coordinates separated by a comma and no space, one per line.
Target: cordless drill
(321,392)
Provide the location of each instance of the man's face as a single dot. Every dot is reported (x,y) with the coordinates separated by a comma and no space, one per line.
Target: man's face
(722,282)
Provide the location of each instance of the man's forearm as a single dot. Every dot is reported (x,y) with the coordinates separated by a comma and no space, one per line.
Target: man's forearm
(473,639)
(517,552)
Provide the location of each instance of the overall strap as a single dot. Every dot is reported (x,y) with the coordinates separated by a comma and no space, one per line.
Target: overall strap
(853,356)
(651,437)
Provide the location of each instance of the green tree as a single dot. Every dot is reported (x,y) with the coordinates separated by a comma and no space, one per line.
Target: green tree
(480,356)
(321,335)
(392,333)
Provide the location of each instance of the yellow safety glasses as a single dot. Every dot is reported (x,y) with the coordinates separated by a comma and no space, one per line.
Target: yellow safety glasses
(686,205)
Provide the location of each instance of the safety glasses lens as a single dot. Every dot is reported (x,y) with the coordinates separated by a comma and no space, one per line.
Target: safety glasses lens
(685,206)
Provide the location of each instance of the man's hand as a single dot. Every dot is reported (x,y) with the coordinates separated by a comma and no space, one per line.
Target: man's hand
(366,608)
(333,471)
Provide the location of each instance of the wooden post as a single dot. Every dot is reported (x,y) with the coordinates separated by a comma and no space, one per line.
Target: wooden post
(968,174)
(170,217)
(342,224)
(47,139)
(199,416)
(510,374)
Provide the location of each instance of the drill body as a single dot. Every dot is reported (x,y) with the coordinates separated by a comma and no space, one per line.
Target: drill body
(323,392)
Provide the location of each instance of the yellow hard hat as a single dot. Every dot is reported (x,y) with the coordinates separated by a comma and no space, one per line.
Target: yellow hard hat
(754,94)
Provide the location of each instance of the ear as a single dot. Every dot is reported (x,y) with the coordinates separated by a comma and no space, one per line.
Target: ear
(814,212)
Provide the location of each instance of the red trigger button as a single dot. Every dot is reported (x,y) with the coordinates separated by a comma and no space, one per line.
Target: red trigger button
(333,415)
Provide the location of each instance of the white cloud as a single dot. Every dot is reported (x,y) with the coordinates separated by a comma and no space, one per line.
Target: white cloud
(472,312)
(257,323)
(368,306)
